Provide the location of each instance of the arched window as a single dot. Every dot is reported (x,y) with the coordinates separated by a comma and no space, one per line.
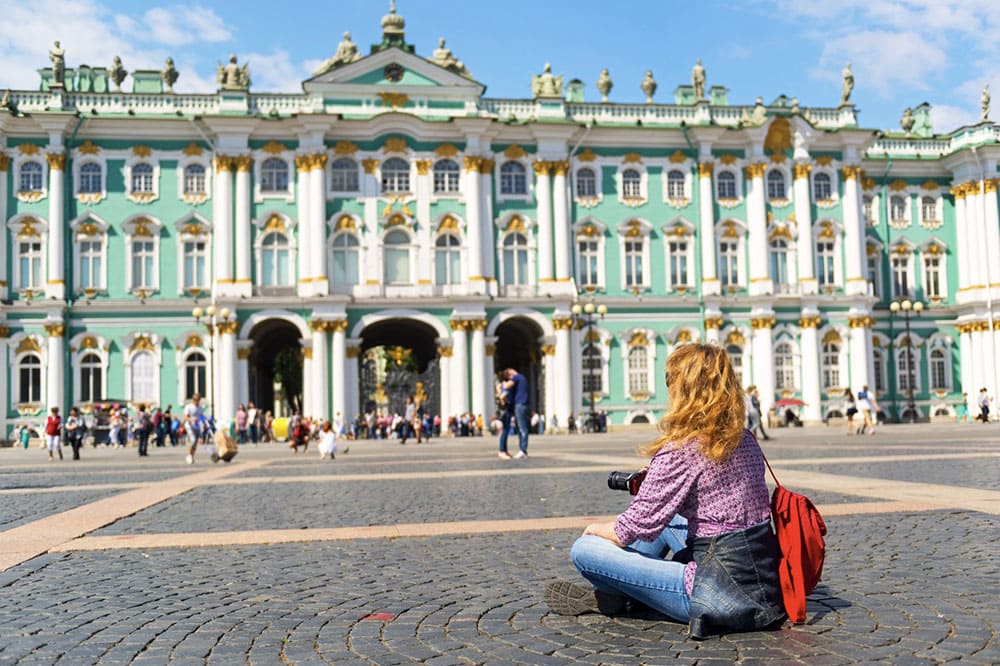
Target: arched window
(822,187)
(830,362)
(29,385)
(784,367)
(143,369)
(513,178)
(638,371)
(586,183)
(195,374)
(397,257)
(592,362)
(448,259)
(30,177)
(515,259)
(194,179)
(675,184)
(446,176)
(776,185)
(344,175)
(726,185)
(631,184)
(928,209)
(91,178)
(906,379)
(274,256)
(735,353)
(142,178)
(345,259)
(779,261)
(897,210)
(91,378)
(274,175)
(589,264)
(878,366)
(396,175)
(868,210)
(939,370)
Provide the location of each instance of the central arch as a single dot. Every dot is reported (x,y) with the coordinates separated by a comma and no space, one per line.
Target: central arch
(274,368)
(519,346)
(399,359)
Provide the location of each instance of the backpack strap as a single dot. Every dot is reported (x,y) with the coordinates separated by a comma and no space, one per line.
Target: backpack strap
(776,482)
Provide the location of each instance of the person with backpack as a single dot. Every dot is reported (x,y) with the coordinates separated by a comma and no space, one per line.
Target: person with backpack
(696,542)
(53,433)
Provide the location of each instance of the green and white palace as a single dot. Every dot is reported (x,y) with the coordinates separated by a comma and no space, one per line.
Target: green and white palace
(390,230)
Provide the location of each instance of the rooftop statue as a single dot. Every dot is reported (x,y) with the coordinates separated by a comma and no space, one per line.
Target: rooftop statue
(984,100)
(605,84)
(169,75)
(444,58)
(58,57)
(117,73)
(907,121)
(5,100)
(848,85)
(232,76)
(757,115)
(648,86)
(698,80)
(547,85)
(347,52)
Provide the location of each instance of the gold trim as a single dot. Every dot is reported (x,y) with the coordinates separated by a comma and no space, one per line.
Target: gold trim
(587,155)
(88,147)
(677,157)
(560,168)
(224,163)
(632,158)
(801,171)
(228,327)
(851,172)
(446,150)
(705,169)
(244,163)
(191,150)
(541,167)
(369,165)
(728,158)
(755,170)
(344,148)
(515,152)
(758,323)
(562,323)
(55,330)
(274,148)
(713,323)
(395,144)
(810,322)
(4,162)
(142,151)
(57,161)
(424,167)
(394,100)
(28,149)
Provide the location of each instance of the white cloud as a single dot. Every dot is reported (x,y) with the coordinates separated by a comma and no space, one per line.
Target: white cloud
(275,72)
(947,118)
(884,61)
(182,24)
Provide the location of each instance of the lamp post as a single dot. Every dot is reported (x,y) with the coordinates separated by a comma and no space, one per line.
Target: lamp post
(210,318)
(585,313)
(908,308)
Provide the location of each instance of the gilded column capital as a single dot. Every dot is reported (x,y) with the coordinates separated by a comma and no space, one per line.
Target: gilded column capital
(860,322)
(243,163)
(542,168)
(549,350)
(57,161)
(353,351)
(472,163)
(851,172)
(4,332)
(369,164)
(445,352)
(228,327)
(801,171)
(758,323)
(318,161)
(476,324)
(705,169)
(713,323)
(562,323)
(307,352)
(242,354)
(491,350)
(424,167)
(990,184)
(459,325)
(302,162)
(958,192)
(4,162)
(486,165)
(560,168)
(224,163)
(317,325)
(756,170)
(810,322)
(337,326)
(55,330)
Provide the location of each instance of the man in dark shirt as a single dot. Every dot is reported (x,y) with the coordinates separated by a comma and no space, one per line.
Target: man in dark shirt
(516,386)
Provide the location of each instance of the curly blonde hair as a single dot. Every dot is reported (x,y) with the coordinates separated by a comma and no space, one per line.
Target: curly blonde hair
(705,403)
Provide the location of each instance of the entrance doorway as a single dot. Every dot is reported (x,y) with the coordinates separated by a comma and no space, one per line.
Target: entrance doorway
(519,347)
(398,360)
(275,367)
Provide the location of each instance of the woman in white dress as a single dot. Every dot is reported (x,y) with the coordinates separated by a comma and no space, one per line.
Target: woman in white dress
(327,441)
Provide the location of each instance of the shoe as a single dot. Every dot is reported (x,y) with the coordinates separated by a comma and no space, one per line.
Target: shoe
(189,459)
(60,454)
(503,455)
(520,455)
(566,598)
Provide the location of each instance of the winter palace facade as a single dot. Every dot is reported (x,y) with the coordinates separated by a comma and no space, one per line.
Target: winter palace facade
(401,234)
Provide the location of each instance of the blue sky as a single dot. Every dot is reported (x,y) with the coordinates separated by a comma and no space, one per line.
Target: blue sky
(903,52)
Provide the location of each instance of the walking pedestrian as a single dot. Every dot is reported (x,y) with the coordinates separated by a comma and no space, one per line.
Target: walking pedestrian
(850,408)
(517,385)
(866,402)
(253,421)
(159,430)
(194,425)
(76,427)
(143,428)
(506,409)
(24,435)
(242,425)
(984,405)
(53,430)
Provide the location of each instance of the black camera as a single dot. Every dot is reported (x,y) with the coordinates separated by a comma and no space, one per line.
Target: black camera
(629,481)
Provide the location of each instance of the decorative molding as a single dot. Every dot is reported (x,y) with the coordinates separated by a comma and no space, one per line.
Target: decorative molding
(801,171)
(728,158)
(677,157)
(353,351)
(224,163)
(632,158)
(395,144)
(587,155)
(860,322)
(57,161)
(55,330)
(705,169)
(228,327)
(459,325)
(755,170)
(562,323)
(446,352)
(370,165)
(758,323)
(549,350)
(810,322)
(88,147)
(274,148)
(898,185)
(142,151)
(424,167)
(393,99)
(344,148)
(515,152)
(713,323)
(28,149)
(4,162)
(542,168)
(446,150)
(560,168)
(851,172)
(193,150)
(243,163)
(28,344)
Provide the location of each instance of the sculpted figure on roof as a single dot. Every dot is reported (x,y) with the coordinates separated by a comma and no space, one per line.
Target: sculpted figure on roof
(117,73)
(232,76)
(347,52)
(58,57)
(984,100)
(698,80)
(848,85)
(444,58)
(547,85)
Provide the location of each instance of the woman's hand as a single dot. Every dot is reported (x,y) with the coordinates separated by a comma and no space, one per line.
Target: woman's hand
(605,531)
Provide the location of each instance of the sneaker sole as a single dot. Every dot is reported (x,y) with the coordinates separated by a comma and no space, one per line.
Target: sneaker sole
(566,598)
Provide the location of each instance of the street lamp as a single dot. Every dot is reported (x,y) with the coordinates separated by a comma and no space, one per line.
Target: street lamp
(908,308)
(585,314)
(210,318)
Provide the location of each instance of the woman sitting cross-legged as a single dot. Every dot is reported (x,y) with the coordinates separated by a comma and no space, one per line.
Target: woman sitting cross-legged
(696,542)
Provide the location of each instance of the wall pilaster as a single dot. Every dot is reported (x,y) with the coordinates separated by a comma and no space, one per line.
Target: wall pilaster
(760,281)
(706,211)
(854,232)
(243,285)
(55,284)
(804,237)
(543,218)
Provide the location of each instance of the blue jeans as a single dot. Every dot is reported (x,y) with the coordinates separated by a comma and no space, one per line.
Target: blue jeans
(638,571)
(521,416)
(505,426)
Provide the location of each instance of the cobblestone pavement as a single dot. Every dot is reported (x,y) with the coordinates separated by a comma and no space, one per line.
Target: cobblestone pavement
(292,573)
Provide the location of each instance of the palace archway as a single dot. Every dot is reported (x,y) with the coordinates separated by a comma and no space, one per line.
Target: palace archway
(275,367)
(519,346)
(398,359)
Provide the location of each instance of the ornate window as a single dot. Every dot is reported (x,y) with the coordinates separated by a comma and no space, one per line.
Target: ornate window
(634,253)
(397,257)
(725,184)
(513,178)
(878,367)
(589,260)
(396,175)
(631,184)
(873,257)
(902,268)
(825,262)
(142,371)
(274,176)
(593,362)
(776,185)
(679,248)
(275,265)
(30,177)
(729,255)
(91,266)
(195,374)
(29,376)
(586,183)
(779,261)
(675,185)
(906,361)
(194,180)
(784,367)
(735,353)
(446,173)
(91,178)
(344,175)
(91,377)
(938,362)
(934,276)
(515,259)
(868,210)
(195,265)
(638,370)
(830,364)
(897,211)
(142,179)
(447,259)
(346,259)
(929,212)
(143,264)
(822,187)
(30,274)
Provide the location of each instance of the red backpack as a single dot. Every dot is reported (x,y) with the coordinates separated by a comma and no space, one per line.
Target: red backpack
(800,530)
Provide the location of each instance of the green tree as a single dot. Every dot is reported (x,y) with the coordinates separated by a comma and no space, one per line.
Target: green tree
(288,371)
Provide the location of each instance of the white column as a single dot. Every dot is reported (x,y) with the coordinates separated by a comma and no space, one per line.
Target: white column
(320,285)
(491,375)
(352,401)
(459,367)
(445,354)
(55,285)
(804,239)
(854,232)
(563,402)
(243,371)
(222,224)
(243,286)
(967,361)
(860,352)
(760,283)
(4,337)
(560,220)
(226,358)
(979,374)
(763,361)
(339,373)
(962,251)
(480,380)
(543,197)
(552,384)
(309,388)
(809,346)
(473,222)
(5,274)
(303,204)
(976,239)
(320,375)
(712,326)
(486,167)
(55,373)
(992,231)
(425,234)
(706,213)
